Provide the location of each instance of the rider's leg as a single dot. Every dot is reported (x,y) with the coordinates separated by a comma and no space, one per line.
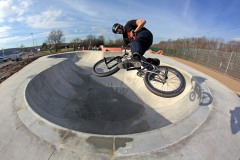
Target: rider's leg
(138,47)
(145,40)
(135,61)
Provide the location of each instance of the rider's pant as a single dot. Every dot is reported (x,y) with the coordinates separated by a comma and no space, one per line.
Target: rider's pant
(142,42)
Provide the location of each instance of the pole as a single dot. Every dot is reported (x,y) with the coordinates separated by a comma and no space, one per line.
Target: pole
(90,39)
(32,39)
(33,43)
(228,63)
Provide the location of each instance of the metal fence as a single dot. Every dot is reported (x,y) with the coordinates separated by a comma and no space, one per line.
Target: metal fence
(228,63)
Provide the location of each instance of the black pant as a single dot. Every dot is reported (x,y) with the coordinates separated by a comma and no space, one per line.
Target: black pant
(142,42)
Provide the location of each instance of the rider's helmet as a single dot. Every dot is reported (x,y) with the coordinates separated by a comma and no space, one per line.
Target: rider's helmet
(115,27)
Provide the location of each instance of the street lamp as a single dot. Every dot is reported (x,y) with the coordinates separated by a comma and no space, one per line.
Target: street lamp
(35,41)
(32,39)
(90,39)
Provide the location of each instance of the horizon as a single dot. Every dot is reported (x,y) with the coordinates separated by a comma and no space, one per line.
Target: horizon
(28,22)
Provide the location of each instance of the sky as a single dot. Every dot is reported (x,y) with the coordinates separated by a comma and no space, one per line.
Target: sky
(29,22)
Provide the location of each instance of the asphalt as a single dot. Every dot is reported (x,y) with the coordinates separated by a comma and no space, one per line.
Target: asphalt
(55,108)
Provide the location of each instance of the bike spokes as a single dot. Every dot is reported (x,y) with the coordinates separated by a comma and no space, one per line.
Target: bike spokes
(106,67)
(169,82)
(165,81)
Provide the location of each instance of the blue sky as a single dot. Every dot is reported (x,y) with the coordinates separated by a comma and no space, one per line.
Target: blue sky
(167,19)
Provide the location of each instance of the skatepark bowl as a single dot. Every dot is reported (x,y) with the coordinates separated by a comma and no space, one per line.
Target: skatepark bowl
(69,95)
(64,105)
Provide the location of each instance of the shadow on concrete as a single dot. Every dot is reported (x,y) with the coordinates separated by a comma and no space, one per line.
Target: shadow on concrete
(206,99)
(70,96)
(198,92)
(235,120)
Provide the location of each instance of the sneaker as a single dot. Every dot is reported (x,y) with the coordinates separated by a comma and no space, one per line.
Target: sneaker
(130,64)
(154,61)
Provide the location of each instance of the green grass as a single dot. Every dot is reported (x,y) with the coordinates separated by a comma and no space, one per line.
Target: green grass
(45,53)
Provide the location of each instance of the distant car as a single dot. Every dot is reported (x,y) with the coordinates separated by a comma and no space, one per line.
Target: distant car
(16,57)
(3,59)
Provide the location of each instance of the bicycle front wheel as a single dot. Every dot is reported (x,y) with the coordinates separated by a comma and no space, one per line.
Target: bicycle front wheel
(106,67)
(166,82)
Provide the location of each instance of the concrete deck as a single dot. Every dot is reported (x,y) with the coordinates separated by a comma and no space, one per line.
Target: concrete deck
(55,108)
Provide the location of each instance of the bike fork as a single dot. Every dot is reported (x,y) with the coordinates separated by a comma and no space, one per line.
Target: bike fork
(107,62)
(165,76)
(166,73)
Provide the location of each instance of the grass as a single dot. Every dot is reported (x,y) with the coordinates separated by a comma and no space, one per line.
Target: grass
(45,53)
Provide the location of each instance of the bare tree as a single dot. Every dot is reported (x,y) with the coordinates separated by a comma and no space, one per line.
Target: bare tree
(56,37)
(76,40)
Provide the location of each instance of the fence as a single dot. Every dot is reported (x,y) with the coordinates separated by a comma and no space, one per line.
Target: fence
(227,63)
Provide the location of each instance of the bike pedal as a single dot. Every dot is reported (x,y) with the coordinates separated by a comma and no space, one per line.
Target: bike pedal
(140,73)
(154,61)
(133,66)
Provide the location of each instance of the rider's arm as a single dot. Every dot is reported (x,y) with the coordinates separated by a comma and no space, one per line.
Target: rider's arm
(140,23)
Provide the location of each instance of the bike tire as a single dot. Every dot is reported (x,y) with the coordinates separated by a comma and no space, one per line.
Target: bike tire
(164,92)
(103,70)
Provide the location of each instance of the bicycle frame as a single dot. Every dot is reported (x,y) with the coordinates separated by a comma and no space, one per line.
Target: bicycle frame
(118,58)
(152,74)
(107,62)
(145,66)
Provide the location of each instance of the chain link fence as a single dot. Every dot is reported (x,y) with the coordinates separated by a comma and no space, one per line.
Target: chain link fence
(228,63)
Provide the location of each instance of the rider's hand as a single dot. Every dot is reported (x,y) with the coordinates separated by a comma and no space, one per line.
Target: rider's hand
(133,34)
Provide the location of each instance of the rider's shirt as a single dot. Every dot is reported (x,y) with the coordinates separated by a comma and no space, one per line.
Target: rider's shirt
(129,27)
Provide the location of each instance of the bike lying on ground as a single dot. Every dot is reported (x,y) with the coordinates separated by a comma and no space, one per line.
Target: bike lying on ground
(163,81)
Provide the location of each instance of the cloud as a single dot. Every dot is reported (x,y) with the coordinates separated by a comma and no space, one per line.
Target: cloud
(23,6)
(99,30)
(13,39)
(47,19)
(81,6)
(4,31)
(5,9)
(10,8)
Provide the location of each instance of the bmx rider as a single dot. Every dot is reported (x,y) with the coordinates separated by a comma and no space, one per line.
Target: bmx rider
(139,38)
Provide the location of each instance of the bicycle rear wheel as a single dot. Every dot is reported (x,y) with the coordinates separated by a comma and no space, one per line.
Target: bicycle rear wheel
(167,82)
(106,67)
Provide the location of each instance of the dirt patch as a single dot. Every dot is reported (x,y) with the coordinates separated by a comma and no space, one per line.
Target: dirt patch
(10,69)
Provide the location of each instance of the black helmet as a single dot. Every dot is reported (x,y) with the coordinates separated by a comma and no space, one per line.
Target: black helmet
(116,26)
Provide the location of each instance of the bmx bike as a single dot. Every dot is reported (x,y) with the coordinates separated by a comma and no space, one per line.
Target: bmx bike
(163,81)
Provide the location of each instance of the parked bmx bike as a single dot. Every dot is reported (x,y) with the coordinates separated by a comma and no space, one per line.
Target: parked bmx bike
(163,81)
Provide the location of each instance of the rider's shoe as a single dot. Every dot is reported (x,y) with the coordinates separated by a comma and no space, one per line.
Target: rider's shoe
(154,61)
(130,64)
